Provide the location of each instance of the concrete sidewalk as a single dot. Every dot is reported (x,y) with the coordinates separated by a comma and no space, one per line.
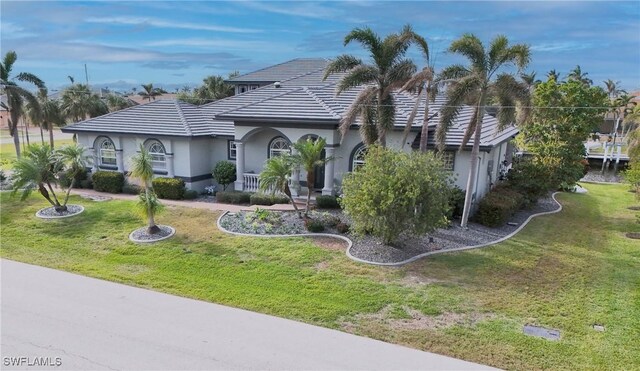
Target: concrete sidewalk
(92,324)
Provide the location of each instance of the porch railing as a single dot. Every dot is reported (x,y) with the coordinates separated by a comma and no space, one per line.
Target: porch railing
(252,183)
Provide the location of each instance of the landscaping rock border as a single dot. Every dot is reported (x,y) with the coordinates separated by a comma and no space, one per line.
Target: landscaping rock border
(140,235)
(51,213)
(493,236)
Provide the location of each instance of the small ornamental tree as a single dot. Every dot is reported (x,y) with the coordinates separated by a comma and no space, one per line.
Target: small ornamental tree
(224,173)
(395,192)
(563,116)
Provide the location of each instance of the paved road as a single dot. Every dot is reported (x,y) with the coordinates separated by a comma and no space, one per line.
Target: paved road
(93,325)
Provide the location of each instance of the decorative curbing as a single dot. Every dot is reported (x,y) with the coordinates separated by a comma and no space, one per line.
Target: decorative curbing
(220,227)
(173,231)
(58,217)
(410,260)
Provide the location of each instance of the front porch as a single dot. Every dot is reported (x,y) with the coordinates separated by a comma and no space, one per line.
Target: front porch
(257,145)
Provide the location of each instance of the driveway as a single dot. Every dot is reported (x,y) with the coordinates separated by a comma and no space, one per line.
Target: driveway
(89,324)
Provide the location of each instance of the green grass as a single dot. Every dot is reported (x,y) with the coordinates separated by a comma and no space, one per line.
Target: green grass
(565,271)
(8,150)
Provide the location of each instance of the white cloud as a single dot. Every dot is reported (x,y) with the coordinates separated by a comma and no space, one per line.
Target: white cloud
(13,31)
(227,44)
(298,9)
(160,23)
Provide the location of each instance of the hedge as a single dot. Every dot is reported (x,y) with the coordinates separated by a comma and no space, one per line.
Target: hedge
(131,189)
(169,188)
(233,197)
(108,181)
(267,200)
(498,205)
(190,194)
(327,202)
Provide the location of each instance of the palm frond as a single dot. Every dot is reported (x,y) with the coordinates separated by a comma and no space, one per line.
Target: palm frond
(366,37)
(471,128)
(399,73)
(141,166)
(471,47)
(497,50)
(30,78)
(456,97)
(359,107)
(342,63)
(7,65)
(418,80)
(514,99)
(453,72)
(359,75)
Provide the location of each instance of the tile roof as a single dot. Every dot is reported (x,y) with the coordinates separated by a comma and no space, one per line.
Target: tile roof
(282,71)
(302,98)
(161,117)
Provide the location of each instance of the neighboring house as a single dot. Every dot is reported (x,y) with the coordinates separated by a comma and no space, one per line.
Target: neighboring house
(187,141)
(138,99)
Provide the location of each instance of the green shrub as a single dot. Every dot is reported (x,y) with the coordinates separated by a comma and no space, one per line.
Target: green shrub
(456,202)
(530,178)
(190,194)
(314,226)
(342,227)
(224,173)
(396,192)
(267,200)
(498,205)
(87,184)
(233,197)
(108,181)
(65,178)
(327,202)
(131,189)
(169,188)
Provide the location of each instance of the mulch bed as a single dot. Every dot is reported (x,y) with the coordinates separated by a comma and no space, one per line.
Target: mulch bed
(141,235)
(51,213)
(370,248)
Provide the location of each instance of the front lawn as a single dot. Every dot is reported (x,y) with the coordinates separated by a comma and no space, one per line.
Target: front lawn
(566,271)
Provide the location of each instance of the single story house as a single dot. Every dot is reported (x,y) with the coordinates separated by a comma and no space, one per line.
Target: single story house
(279,105)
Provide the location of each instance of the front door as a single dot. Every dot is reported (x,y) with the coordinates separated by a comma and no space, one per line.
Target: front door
(318,184)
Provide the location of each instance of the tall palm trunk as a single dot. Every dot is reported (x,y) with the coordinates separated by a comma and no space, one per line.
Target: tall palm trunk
(382,131)
(311,179)
(41,134)
(475,153)
(152,228)
(424,132)
(287,192)
(26,131)
(13,125)
(50,126)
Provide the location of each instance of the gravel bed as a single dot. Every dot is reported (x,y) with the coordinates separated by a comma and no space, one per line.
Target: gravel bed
(371,248)
(95,198)
(608,177)
(141,235)
(51,213)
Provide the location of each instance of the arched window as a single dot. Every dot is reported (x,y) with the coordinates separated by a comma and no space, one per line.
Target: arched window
(157,152)
(357,157)
(279,146)
(107,152)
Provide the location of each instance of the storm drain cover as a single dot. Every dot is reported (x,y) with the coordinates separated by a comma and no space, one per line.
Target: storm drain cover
(542,332)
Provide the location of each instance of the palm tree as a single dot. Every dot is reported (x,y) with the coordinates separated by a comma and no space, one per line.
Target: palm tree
(374,104)
(46,115)
(75,160)
(613,89)
(149,92)
(149,205)
(38,169)
(116,102)
(79,103)
(553,74)
(16,95)
(309,156)
(476,84)
(275,177)
(578,75)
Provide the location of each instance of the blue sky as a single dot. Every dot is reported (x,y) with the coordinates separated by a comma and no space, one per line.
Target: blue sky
(127,43)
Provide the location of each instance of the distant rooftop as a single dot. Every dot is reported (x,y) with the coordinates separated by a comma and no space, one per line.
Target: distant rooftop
(282,71)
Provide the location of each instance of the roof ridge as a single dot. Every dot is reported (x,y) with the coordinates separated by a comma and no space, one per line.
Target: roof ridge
(114,112)
(274,65)
(183,119)
(259,101)
(303,74)
(321,102)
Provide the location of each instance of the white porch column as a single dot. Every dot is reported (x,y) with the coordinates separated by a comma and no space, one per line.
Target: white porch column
(295,178)
(119,160)
(239,183)
(94,154)
(169,160)
(328,173)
